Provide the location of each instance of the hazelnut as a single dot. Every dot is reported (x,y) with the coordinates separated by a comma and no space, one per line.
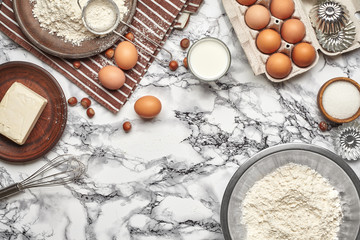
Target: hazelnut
(185,63)
(110,53)
(185,43)
(173,65)
(85,102)
(90,112)
(72,101)
(323,126)
(127,126)
(77,64)
(130,36)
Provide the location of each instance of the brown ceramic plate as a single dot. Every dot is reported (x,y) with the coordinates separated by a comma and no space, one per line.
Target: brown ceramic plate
(55,45)
(320,97)
(52,121)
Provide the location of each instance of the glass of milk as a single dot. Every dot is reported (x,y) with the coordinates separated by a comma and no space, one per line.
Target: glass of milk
(209,59)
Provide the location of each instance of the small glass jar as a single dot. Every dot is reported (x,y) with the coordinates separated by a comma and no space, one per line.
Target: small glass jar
(209,59)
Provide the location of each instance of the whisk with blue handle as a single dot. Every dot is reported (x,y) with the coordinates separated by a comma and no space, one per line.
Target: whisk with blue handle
(61,170)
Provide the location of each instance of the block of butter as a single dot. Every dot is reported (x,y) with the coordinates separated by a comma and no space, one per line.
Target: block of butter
(20,109)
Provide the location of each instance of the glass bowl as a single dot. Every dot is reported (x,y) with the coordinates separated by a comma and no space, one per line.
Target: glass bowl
(325,162)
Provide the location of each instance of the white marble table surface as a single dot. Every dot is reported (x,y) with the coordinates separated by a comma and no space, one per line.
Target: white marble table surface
(165,178)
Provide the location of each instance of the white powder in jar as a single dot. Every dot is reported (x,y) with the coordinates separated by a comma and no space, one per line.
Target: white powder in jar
(292,203)
(341,99)
(100,15)
(63,18)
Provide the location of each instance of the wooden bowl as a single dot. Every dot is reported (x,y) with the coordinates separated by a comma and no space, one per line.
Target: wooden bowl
(320,97)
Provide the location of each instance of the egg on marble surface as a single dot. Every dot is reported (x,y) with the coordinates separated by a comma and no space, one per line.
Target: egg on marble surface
(111,77)
(257,17)
(126,55)
(293,30)
(303,54)
(278,65)
(147,107)
(268,41)
(246,2)
(282,9)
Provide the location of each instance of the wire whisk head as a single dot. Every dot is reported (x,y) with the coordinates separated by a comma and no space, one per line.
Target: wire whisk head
(61,170)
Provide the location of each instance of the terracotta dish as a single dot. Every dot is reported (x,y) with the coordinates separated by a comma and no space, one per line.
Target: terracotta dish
(55,45)
(320,102)
(52,121)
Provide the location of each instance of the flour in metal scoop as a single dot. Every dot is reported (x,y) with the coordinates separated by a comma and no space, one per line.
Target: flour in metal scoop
(294,203)
(63,18)
(100,15)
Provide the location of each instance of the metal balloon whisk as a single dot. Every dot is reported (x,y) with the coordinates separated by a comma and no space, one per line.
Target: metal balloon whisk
(61,170)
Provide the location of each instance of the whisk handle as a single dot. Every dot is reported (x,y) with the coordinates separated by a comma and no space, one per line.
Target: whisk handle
(9,190)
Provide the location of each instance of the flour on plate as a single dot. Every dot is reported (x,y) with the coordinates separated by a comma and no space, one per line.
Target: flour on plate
(293,203)
(63,18)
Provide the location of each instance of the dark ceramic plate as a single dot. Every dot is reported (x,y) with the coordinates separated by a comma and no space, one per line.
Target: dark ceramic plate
(326,163)
(52,121)
(55,45)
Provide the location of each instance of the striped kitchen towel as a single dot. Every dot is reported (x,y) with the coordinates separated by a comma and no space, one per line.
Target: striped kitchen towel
(193,6)
(155,16)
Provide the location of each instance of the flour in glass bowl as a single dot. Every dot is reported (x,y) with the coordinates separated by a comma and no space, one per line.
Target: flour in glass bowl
(63,18)
(292,203)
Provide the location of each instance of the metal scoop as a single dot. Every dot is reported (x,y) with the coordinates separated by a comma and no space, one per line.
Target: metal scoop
(112,28)
(112,6)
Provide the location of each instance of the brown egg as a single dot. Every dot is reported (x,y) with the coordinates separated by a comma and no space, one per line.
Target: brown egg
(257,17)
(303,54)
(278,65)
(282,9)
(293,30)
(147,106)
(126,55)
(111,77)
(246,2)
(268,41)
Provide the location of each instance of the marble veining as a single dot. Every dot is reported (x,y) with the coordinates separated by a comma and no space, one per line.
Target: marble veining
(166,177)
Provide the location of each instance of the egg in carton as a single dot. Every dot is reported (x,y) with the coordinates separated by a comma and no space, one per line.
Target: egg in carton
(251,42)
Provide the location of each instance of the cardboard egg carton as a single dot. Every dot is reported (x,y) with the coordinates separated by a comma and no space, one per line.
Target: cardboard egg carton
(247,36)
